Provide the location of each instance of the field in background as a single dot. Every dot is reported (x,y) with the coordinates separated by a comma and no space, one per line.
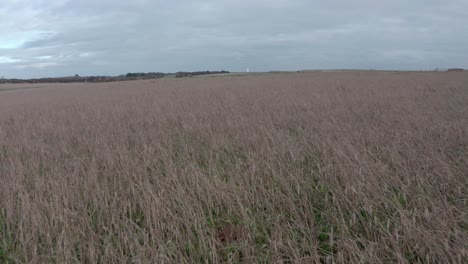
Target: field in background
(307,167)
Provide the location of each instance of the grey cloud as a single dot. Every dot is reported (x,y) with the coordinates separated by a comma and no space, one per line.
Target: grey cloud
(60,37)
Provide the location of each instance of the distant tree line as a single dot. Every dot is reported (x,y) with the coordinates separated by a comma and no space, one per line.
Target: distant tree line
(124,77)
(72,79)
(147,75)
(196,73)
(455,70)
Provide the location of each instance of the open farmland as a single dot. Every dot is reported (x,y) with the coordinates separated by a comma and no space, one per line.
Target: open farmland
(305,167)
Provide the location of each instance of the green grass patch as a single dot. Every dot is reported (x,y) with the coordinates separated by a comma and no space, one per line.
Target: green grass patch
(7,242)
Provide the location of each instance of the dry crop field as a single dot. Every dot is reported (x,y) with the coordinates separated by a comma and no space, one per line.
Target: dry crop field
(340,167)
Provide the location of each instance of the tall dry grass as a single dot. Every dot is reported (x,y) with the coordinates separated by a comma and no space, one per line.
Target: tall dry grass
(301,168)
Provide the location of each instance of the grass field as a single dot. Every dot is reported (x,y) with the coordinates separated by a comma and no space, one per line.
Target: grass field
(341,167)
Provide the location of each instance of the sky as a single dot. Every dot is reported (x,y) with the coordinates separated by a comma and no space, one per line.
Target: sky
(48,38)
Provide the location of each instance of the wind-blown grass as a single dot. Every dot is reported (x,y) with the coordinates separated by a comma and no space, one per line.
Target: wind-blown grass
(311,167)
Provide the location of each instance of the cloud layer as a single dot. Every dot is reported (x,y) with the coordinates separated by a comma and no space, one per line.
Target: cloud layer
(107,37)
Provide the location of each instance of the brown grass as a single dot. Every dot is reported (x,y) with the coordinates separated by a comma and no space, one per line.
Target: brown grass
(310,167)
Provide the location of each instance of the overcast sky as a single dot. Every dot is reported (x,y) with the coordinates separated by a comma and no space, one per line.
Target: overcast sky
(41,38)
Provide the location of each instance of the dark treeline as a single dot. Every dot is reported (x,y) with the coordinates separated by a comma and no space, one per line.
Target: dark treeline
(456,70)
(73,79)
(125,77)
(190,74)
